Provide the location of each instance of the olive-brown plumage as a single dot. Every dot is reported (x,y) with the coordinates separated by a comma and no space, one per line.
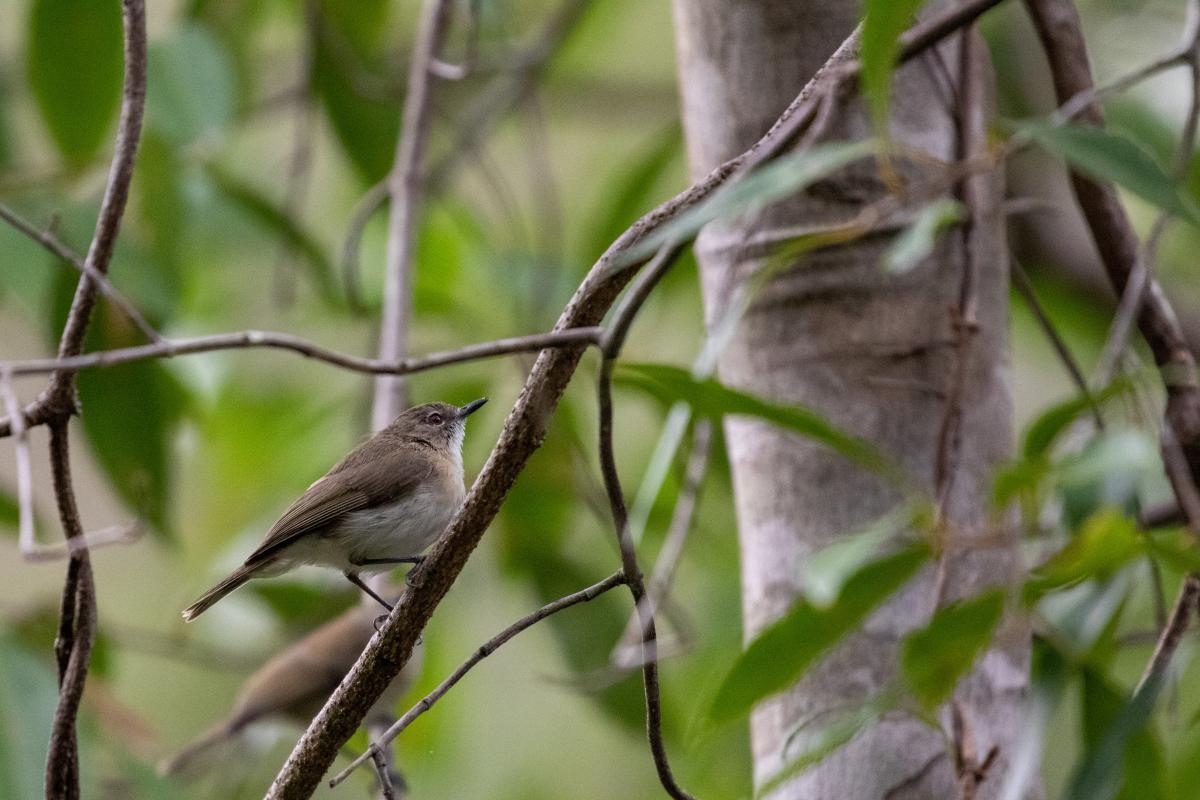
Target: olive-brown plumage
(378,507)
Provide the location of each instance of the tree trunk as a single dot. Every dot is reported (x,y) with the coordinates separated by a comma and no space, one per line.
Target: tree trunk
(877,354)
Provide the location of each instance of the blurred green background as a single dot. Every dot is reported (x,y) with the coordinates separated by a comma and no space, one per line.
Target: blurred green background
(266,124)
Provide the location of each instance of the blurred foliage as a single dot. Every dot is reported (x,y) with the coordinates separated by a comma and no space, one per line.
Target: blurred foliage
(208,449)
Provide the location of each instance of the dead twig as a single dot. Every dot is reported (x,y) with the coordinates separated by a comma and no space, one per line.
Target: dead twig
(486,649)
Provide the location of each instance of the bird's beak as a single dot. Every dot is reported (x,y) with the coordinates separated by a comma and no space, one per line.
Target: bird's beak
(471,408)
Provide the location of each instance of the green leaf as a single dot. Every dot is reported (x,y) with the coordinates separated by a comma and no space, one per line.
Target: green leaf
(826,571)
(774,181)
(821,743)
(364,120)
(28,696)
(1108,157)
(783,652)
(1106,542)
(189,86)
(917,241)
(266,213)
(709,398)
(935,657)
(1123,758)
(883,23)
(1043,432)
(73,62)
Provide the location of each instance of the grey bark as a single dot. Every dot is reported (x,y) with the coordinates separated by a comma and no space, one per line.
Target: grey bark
(877,355)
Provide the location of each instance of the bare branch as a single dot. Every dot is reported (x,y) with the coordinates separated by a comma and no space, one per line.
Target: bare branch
(76,629)
(57,248)
(405,186)
(485,650)
(663,574)
(77,619)
(1172,632)
(1021,281)
(172,348)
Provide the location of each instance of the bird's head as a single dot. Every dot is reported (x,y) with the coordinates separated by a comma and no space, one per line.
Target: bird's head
(436,423)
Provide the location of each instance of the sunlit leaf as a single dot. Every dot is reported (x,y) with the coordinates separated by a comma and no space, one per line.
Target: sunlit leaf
(28,696)
(935,657)
(189,86)
(73,63)
(765,185)
(919,239)
(883,23)
(1109,157)
(783,652)
(1105,543)
(709,398)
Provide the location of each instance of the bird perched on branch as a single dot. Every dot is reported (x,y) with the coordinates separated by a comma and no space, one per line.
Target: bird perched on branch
(378,507)
(295,684)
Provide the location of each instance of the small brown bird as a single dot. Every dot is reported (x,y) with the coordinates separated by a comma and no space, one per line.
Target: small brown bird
(378,507)
(296,683)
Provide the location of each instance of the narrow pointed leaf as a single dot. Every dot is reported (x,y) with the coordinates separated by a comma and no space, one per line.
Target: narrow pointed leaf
(935,657)
(782,653)
(709,398)
(883,23)
(1110,157)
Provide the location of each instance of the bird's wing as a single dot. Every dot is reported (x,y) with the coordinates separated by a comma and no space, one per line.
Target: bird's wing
(350,487)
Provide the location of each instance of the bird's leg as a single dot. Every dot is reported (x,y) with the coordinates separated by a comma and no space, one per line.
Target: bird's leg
(368,562)
(357,581)
(416,561)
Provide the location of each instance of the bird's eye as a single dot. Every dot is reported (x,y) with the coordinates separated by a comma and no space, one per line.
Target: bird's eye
(435,419)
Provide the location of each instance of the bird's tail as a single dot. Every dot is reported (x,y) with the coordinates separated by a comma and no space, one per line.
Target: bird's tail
(209,598)
(179,762)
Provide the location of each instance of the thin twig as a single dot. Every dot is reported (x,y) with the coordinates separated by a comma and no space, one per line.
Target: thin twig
(405,187)
(484,650)
(663,574)
(76,630)
(77,619)
(523,432)
(386,790)
(51,243)
(1135,289)
(1172,632)
(240,340)
(1020,279)
(508,91)
(611,347)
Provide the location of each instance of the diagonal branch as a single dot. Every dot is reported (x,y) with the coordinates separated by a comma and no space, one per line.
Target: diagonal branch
(57,248)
